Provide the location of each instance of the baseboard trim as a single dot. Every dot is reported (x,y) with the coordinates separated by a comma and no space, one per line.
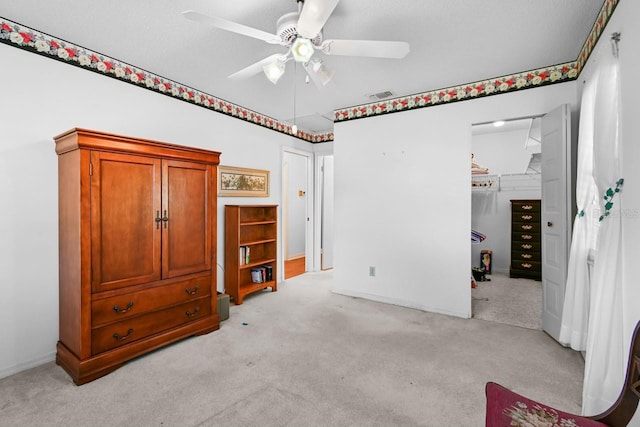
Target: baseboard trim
(401,303)
(11,370)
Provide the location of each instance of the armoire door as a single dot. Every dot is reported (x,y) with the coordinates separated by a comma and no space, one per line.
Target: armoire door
(187,218)
(125,220)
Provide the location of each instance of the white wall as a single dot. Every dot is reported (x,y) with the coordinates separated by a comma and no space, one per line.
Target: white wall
(624,21)
(403,199)
(42,98)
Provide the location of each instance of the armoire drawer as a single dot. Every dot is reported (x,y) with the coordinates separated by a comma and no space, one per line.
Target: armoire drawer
(130,304)
(135,328)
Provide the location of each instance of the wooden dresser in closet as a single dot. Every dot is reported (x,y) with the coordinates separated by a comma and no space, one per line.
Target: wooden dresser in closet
(137,236)
(526,254)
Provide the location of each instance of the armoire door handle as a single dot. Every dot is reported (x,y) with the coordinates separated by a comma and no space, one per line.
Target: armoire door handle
(165,218)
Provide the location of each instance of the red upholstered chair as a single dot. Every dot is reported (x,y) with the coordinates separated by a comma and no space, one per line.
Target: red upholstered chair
(507,409)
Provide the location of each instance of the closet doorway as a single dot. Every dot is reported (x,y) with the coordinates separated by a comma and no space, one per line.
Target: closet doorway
(546,149)
(506,166)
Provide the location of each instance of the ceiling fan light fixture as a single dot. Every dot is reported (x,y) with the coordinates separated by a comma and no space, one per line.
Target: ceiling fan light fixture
(274,70)
(321,73)
(302,49)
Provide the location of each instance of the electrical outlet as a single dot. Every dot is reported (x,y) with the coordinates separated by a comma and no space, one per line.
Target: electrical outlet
(372,271)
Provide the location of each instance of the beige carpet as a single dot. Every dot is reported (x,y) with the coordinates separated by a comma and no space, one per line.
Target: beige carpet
(304,356)
(516,302)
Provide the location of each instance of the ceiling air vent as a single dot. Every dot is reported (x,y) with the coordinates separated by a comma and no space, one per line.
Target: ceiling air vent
(381,95)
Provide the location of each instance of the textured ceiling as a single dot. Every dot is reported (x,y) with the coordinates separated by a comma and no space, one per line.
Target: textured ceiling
(452,42)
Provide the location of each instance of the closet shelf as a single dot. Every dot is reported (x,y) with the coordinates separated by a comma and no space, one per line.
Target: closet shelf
(506,182)
(485,182)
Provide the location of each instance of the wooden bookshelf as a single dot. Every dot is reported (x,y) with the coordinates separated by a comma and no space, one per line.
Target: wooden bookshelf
(254,227)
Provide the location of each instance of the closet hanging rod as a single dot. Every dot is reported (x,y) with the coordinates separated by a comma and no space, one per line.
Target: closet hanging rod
(615,39)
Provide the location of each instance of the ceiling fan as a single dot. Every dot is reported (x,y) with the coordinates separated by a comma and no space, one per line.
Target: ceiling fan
(301,33)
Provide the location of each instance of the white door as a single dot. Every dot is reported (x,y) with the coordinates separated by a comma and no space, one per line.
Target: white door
(556,207)
(327,213)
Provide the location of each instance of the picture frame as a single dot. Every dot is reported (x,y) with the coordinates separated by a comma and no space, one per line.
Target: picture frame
(242,182)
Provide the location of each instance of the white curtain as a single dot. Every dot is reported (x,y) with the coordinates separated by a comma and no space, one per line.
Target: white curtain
(575,314)
(606,362)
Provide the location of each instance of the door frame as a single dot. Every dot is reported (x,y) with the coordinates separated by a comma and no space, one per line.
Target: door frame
(319,209)
(569,182)
(309,237)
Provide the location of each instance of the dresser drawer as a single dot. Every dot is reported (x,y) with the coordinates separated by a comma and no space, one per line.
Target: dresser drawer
(526,206)
(131,304)
(525,227)
(525,246)
(526,265)
(518,256)
(525,237)
(525,217)
(135,328)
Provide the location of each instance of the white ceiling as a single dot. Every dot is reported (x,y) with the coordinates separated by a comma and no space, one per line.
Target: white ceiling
(452,42)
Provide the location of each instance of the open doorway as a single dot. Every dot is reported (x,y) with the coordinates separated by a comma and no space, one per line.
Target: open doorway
(540,229)
(506,173)
(297,199)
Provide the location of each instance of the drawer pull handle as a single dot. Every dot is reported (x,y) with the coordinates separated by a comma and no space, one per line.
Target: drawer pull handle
(526,265)
(194,291)
(123,310)
(526,246)
(527,236)
(527,217)
(526,256)
(527,207)
(195,312)
(527,227)
(118,337)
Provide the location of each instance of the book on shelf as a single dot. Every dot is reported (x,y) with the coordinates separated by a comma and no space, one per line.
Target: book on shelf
(256,275)
(245,255)
(262,274)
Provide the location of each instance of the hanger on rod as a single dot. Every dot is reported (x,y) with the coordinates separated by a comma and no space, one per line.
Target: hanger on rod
(615,39)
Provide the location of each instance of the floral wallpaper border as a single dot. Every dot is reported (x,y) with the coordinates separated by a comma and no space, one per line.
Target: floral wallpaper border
(17,35)
(26,38)
(519,81)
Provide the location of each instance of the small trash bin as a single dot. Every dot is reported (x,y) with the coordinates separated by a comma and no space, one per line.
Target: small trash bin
(223,306)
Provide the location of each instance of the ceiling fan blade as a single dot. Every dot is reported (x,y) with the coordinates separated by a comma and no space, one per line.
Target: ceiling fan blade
(256,67)
(319,73)
(371,48)
(233,27)
(313,16)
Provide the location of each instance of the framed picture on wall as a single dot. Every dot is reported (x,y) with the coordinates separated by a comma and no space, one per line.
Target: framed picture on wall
(242,182)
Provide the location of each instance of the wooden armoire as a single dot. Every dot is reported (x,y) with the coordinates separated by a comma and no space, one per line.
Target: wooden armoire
(137,237)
